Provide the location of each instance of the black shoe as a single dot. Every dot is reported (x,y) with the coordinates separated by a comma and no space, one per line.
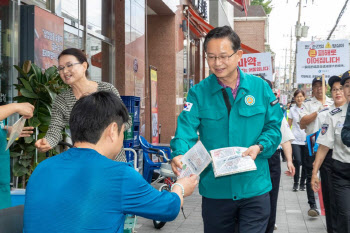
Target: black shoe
(302,187)
(295,187)
(313,212)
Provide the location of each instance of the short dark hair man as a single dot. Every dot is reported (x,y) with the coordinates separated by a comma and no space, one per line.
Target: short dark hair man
(230,108)
(84,189)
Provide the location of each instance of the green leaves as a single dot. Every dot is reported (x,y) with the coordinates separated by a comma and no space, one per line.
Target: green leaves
(34,121)
(39,89)
(26,66)
(29,94)
(19,169)
(28,140)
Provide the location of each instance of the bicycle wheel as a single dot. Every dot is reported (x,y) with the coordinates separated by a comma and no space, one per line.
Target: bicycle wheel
(164,187)
(158,224)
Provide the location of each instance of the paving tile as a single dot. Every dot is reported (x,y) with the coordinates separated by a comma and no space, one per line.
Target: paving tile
(292,215)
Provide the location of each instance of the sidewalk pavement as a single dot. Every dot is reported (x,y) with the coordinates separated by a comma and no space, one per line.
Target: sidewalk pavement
(291,214)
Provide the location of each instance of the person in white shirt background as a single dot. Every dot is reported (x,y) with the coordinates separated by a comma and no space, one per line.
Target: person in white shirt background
(298,145)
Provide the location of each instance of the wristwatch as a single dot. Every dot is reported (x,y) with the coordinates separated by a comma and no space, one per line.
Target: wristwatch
(261,147)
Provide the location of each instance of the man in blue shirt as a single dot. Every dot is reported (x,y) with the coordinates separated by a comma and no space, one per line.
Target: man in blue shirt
(84,189)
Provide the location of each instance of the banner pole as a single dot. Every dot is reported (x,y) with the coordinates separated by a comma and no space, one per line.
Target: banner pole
(323,90)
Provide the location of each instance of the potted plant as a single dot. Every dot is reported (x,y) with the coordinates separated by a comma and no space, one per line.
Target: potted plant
(40,89)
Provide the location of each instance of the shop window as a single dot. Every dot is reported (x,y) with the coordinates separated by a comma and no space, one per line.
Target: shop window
(99,58)
(138,17)
(96,21)
(71,11)
(8,51)
(73,38)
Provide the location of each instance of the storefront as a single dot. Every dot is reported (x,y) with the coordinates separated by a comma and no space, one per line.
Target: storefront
(87,25)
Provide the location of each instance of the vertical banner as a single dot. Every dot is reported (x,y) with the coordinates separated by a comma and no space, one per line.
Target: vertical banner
(154,105)
(41,38)
(48,34)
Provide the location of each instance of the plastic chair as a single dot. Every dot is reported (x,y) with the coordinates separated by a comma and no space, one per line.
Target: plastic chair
(11,219)
(149,166)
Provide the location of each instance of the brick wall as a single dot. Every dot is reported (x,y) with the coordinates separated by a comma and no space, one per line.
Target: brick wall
(252,33)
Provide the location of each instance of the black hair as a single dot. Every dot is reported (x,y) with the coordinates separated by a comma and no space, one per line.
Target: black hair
(299,91)
(93,113)
(223,32)
(78,54)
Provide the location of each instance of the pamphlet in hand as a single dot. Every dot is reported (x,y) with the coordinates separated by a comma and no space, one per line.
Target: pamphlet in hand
(16,131)
(229,160)
(195,160)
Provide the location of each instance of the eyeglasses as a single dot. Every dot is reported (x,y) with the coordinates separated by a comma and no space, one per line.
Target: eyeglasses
(221,58)
(336,90)
(68,66)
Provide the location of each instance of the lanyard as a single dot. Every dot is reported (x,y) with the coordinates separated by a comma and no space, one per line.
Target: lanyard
(227,100)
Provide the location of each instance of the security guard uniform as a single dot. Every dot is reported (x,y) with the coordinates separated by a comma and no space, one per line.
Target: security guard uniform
(345,133)
(254,118)
(330,137)
(308,107)
(326,178)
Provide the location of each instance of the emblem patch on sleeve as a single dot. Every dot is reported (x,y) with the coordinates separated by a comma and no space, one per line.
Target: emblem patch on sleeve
(335,111)
(273,103)
(188,106)
(325,109)
(324,129)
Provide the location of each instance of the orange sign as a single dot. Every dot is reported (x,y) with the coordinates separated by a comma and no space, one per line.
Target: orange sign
(312,53)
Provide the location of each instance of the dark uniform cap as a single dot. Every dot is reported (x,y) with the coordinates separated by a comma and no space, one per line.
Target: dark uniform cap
(334,79)
(317,79)
(345,77)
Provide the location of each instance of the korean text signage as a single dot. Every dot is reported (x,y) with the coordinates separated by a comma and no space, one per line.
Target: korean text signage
(41,36)
(257,63)
(48,43)
(154,106)
(314,58)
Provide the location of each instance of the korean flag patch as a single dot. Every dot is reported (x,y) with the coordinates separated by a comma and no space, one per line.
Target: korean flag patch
(188,106)
(324,129)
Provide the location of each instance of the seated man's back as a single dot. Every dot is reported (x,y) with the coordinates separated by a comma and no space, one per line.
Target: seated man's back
(83,191)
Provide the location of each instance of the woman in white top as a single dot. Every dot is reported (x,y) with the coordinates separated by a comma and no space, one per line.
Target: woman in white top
(298,145)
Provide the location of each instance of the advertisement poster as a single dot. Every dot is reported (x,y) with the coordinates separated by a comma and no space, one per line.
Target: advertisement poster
(284,99)
(154,106)
(48,38)
(314,58)
(258,64)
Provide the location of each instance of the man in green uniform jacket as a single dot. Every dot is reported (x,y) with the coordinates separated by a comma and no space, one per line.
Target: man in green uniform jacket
(230,108)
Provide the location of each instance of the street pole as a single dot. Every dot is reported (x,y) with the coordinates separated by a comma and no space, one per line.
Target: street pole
(285,68)
(297,35)
(291,54)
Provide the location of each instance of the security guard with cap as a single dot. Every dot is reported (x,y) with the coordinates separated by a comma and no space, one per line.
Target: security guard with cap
(330,137)
(230,109)
(345,133)
(327,165)
(310,110)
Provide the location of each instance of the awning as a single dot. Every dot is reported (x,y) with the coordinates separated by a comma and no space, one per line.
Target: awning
(240,3)
(199,21)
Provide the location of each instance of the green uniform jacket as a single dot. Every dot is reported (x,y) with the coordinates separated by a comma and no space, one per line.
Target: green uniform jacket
(252,120)
(5,197)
